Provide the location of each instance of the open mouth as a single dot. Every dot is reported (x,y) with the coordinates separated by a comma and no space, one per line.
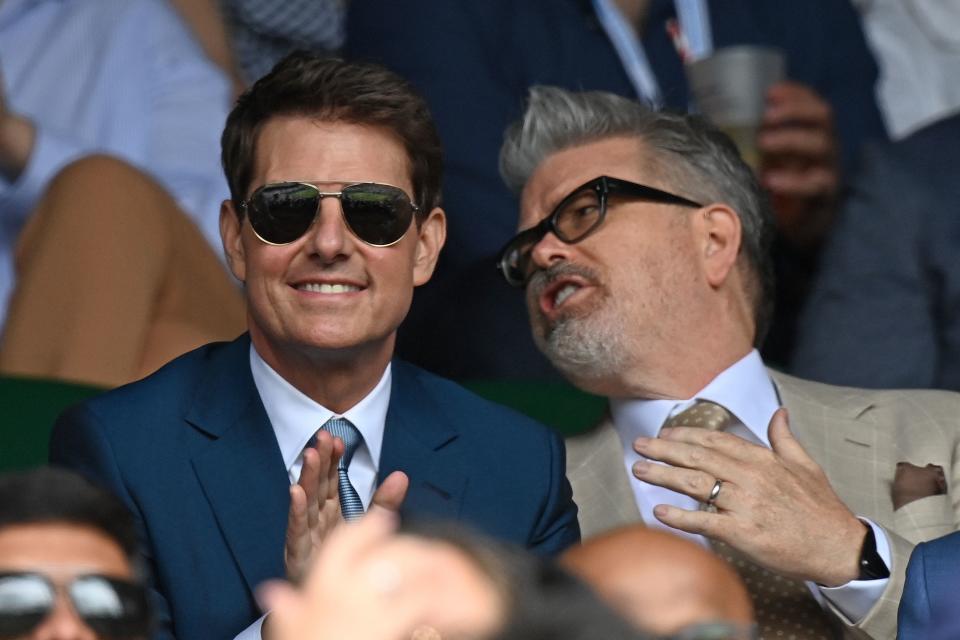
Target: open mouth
(555,295)
(564,293)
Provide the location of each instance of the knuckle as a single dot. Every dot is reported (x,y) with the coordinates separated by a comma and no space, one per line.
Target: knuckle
(694,483)
(713,438)
(696,457)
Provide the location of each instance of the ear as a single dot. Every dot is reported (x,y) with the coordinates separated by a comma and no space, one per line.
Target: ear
(430,238)
(231,236)
(720,232)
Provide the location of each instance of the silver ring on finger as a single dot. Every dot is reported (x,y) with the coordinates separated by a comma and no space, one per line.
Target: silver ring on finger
(712,498)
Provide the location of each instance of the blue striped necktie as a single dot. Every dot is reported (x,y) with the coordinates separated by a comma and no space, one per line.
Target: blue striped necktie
(350,504)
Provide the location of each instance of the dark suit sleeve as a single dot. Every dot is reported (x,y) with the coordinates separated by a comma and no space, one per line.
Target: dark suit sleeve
(78,443)
(557,527)
(914,619)
(871,318)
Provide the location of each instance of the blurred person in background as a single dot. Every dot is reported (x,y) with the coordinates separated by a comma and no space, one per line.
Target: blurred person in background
(110,185)
(246,38)
(885,310)
(917,47)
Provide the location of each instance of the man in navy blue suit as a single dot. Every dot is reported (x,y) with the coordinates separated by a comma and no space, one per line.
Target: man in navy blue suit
(928,609)
(334,218)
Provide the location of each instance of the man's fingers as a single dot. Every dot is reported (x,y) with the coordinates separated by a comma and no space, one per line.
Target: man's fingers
(793,103)
(309,483)
(785,445)
(813,182)
(297,516)
(391,492)
(699,522)
(725,445)
(695,484)
(297,545)
(332,478)
(810,144)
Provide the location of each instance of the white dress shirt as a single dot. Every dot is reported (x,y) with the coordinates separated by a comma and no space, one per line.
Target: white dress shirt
(917,46)
(746,391)
(296,418)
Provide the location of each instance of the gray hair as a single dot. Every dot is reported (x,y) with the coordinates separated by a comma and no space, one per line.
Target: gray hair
(684,150)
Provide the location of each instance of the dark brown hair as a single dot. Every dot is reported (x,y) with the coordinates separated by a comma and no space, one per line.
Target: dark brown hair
(53,495)
(334,90)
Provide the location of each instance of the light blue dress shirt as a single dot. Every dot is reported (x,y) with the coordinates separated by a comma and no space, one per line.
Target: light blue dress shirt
(122,77)
(296,418)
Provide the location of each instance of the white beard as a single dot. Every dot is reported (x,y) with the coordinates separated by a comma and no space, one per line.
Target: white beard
(587,345)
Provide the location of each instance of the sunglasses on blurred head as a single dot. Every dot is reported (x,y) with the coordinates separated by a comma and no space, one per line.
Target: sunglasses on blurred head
(113,608)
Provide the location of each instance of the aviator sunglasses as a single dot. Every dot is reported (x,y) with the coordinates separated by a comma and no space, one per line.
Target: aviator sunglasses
(112,608)
(576,217)
(377,214)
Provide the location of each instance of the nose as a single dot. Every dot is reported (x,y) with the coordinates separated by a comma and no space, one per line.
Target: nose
(548,250)
(63,623)
(329,237)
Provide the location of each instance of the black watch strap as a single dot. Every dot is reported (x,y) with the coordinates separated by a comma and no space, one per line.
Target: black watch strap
(872,566)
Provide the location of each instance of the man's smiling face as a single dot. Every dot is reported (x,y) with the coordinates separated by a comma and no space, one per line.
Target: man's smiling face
(328,291)
(599,306)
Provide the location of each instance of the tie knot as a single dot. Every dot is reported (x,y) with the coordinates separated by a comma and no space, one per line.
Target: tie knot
(704,414)
(344,429)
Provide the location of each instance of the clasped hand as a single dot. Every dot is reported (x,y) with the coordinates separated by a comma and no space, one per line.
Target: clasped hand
(800,160)
(775,505)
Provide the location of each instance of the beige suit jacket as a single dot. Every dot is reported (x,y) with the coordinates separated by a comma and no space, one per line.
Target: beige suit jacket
(856,435)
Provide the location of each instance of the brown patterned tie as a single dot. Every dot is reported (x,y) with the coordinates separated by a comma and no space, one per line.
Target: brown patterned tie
(784,607)
(704,414)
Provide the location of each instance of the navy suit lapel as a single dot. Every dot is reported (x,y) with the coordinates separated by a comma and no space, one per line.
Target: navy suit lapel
(420,440)
(241,469)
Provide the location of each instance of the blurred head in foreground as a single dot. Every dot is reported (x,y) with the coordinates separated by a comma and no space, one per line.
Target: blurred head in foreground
(66,561)
(370,583)
(661,582)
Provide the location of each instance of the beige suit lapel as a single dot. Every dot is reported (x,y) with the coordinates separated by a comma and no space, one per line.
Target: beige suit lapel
(858,436)
(599,479)
(826,422)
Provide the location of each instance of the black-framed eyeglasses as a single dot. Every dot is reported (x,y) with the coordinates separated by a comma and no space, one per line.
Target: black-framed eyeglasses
(112,608)
(576,217)
(378,214)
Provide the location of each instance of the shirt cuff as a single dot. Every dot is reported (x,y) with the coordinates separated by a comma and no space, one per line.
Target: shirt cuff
(856,598)
(253,631)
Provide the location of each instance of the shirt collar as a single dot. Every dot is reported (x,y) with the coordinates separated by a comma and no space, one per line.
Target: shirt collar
(744,388)
(296,418)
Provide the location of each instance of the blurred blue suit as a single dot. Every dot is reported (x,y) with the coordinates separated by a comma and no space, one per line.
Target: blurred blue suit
(192,454)
(930,606)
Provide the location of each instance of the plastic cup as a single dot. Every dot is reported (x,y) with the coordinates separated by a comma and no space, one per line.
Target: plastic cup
(730,88)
